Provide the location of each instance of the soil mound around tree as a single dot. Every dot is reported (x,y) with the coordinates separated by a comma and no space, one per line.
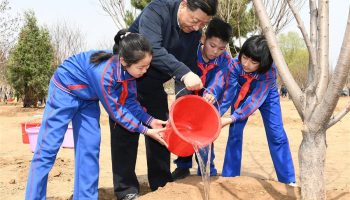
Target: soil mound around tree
(242,187)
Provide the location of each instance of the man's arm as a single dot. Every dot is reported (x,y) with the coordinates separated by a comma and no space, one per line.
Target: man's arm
(150,25)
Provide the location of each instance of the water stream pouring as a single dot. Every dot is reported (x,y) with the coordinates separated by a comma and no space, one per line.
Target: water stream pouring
(192,121)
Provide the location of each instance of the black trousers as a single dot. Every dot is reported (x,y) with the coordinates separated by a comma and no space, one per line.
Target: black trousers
(124,146)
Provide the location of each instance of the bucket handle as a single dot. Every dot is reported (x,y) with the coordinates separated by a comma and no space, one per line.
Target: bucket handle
(207,90)
(34,117)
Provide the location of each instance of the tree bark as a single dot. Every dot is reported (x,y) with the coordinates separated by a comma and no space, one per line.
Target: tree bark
(312,156)
(29,99)
(312,82)
(323,49)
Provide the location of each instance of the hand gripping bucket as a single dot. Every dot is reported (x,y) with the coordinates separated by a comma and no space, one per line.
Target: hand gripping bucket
(192,121)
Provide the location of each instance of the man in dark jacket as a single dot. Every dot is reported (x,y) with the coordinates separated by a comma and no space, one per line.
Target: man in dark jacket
(173,28)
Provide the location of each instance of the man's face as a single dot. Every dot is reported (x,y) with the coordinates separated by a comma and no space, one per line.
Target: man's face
(190,21)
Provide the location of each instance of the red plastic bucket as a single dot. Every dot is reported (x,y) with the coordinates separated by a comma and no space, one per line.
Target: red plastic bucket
(25,125)
(192,121)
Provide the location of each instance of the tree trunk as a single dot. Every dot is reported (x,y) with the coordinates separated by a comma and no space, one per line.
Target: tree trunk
(312,156)
(29,99)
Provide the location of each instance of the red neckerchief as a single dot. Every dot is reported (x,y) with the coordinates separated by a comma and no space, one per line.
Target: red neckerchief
(205,70)
(124,93)
(244,89)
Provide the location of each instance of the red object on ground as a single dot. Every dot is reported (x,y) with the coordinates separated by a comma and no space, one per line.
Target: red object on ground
(25,125)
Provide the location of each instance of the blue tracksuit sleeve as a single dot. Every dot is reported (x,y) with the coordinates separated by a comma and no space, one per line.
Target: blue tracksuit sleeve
(102,80)
(162,60)
(134,106)
(230,88)
(216,85)
(254,100)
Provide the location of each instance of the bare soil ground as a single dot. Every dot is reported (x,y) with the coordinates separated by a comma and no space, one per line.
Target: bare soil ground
(258,180)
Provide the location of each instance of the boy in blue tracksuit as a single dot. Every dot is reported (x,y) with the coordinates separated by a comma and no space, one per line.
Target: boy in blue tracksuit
(212,66)
(251,85)
(74,93)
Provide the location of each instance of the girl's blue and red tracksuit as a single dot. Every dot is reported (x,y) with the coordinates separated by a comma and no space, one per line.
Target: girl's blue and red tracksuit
(212,74)
(262,95)
(74,93)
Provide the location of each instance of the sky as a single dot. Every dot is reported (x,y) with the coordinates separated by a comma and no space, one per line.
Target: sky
(97,27)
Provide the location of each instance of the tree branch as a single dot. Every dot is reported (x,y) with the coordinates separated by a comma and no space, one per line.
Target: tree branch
(323,49)
(293,88)
(311,101)
(339,116)
(115,9)
(279,14)
(326,107)
(313,70)
(311,49)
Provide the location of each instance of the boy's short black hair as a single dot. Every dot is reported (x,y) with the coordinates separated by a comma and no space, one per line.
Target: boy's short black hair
(257,49)
(209,7)
(220,29)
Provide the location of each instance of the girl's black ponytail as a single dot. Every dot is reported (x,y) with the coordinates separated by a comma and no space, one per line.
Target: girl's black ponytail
(118,38)
(131,46)
(99,57)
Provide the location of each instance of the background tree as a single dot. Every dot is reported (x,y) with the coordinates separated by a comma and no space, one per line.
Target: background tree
(140,4)
(30,62)
(66,40)
(122,14)
(296,55)
(316,104)
(241,15)
(279,13)
(9,26)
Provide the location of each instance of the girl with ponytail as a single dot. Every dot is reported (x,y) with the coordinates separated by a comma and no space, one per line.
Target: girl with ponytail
(76,88)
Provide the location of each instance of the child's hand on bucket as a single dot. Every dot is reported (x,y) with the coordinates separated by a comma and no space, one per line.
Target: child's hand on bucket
(225,121)
(157,134)
(209,98)
(157,123)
